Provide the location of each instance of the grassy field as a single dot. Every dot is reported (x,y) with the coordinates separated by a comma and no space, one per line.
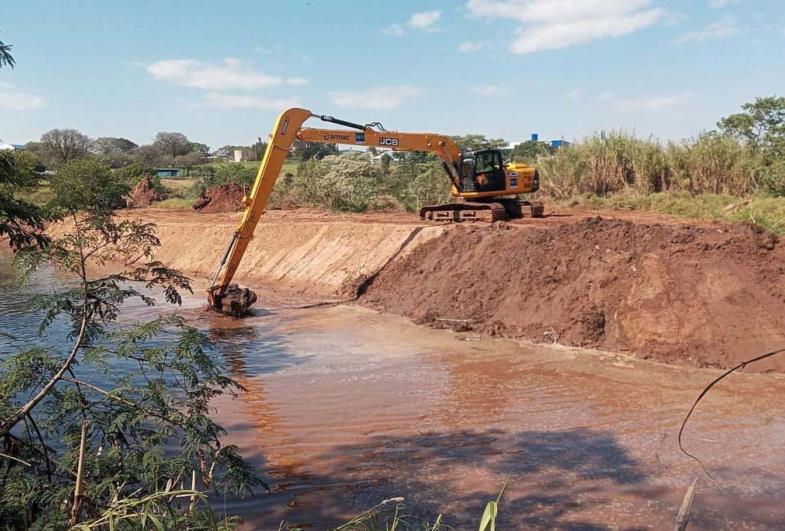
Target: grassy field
(766,211)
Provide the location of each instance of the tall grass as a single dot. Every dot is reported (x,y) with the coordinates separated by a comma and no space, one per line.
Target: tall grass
(609,163)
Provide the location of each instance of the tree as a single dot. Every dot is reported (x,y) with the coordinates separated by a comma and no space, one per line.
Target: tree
(149,155)
(107,144)
(20,221)
(312,150)
(475,142)
(530,150)
(100,449)
(172,144)
(61,145)
(6,59)
(116,151)
(761,125)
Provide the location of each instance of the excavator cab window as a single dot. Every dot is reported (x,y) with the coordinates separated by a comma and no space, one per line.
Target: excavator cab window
(489,171)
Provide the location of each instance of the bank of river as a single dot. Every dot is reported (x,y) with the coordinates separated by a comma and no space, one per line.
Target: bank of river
(346,407)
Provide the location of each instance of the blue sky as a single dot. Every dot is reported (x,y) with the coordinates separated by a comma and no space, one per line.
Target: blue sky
(221,71)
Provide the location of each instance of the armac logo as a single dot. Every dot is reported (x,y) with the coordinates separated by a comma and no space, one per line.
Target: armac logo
(336,138)
(387,141)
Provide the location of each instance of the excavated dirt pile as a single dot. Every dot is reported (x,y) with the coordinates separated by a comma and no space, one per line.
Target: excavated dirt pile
(144,194)
(707,296)
(225,198)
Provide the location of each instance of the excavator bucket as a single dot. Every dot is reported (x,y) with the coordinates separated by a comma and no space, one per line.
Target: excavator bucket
(234,300)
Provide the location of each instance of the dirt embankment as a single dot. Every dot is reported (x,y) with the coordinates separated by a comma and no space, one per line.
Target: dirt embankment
(224,198)
(304,253)
(709,295)
(144,194)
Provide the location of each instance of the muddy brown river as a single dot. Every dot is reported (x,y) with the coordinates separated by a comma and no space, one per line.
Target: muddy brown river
(346,407)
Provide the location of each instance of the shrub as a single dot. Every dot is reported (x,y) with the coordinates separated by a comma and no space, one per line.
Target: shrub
(133,173)
(240,174)
(87,181)
(423,184)
(346,182)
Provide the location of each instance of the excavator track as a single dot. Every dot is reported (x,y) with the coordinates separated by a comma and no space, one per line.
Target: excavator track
(459,212)
(486,212)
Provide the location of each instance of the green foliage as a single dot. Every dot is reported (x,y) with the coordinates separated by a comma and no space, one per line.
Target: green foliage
(421,184)
(765,211)
(6,59)
(242,175)
(475,142)
(84,446)
(303,151)
(530,151)
(761,126)
(117,152)
(133,173)
(346,182)
(21,222)
(87,184)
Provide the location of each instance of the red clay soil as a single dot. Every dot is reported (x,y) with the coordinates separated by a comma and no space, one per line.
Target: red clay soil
(712,295)
(144,194)
(225,198)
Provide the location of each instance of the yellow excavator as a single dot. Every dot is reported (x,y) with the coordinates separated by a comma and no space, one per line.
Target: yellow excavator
(486,186)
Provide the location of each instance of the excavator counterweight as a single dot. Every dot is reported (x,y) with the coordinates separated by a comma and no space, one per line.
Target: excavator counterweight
(486,186)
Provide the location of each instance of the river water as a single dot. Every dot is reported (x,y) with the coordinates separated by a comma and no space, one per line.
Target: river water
(346,407)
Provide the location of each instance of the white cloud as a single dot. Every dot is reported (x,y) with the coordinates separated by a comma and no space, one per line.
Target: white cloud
(420,20)
(424,20)
(229,74)
(716,4)
(556,24)
(471,46)
(396,30)
(268,50)
(296,81)
(374,99)
(490,90)
(717,30)
(574,94)
(12,100)
(653,103)
(216,100)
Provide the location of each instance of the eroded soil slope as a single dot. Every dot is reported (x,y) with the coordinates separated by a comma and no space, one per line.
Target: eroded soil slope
(224,198)
(707,295)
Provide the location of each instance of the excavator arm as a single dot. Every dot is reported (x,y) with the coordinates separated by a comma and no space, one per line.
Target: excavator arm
(228,298)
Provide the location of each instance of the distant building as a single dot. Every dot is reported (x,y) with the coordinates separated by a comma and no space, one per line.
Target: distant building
(558,144)
(167,172)
(238,155)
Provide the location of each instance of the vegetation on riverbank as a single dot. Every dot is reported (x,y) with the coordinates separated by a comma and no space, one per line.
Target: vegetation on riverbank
(83,447)
(765,211)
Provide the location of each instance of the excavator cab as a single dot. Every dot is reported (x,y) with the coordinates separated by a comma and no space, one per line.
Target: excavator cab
(483,171)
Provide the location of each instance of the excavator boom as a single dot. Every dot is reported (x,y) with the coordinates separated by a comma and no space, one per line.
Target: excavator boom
(229,298)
